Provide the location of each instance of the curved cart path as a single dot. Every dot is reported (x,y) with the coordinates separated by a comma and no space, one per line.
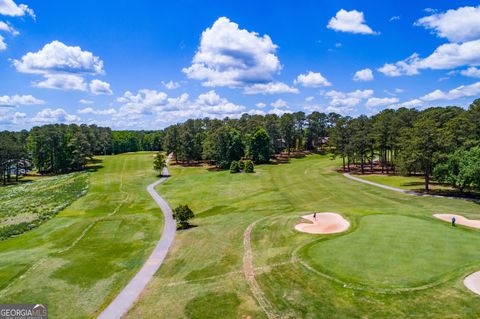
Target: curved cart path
(124,301)
(404,190)
(380,185)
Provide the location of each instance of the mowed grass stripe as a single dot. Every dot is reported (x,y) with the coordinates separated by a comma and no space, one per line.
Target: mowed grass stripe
(78,261)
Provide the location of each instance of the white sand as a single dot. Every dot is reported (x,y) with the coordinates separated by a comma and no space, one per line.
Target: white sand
(324,223)
(472,282)
(459,220)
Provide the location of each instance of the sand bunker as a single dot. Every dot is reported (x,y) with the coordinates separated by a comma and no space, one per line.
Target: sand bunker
(459,220)
(472,282)
(324,223)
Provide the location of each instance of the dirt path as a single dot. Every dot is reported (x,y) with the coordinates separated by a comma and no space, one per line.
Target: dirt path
(250,274)
(124,301)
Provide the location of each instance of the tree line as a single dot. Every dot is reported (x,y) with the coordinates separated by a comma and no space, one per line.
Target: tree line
(60,148)
(432,142)
(438,142)
(254,136)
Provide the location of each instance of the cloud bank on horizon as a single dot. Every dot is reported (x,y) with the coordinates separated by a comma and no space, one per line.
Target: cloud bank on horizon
(231,67)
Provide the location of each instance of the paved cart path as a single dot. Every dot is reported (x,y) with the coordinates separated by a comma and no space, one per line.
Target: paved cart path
(127,297)
(405,191)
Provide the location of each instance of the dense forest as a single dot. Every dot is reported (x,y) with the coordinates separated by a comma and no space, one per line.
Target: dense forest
(443,142)
(59,148)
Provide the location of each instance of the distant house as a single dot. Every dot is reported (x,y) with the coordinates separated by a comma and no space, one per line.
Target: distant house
(23,166)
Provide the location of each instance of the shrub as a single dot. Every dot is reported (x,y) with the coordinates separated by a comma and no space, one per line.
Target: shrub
(234,168)
(182,214)
(224,165)
(249,168)
(241,165)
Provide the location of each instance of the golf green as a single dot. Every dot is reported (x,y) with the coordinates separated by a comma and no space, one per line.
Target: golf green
(394,251)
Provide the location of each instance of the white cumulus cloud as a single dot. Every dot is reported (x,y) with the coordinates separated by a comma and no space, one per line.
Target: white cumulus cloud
(343,102)
(7,27)
(230,56)
(457,25)
(405,67)
(312,79)
(62,82)
(279,103)
(363,75)
(270,88)
(8,117)
(144,102)
(471,72)
(83,101)
(212,103)
(446,56)
(90,110)
(98,87)
(350,21)
(56,57)
(376,101)
(411,103)
(50,116)
(457,93)
(150,108)
(17,100)
(3,45)
(10,8)
(171,85)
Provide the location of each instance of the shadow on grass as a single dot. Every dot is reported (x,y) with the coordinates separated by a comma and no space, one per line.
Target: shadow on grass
(93,168)
(94,165)
(187,227)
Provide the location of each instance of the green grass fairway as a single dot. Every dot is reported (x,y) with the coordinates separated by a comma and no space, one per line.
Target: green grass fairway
(79,260)
(203,272)
(393,251)
(415,183)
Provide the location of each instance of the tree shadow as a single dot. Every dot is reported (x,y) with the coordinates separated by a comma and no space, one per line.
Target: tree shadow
(186,227)
(94,165)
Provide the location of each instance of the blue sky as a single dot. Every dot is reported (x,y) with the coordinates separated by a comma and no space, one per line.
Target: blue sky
(148,64)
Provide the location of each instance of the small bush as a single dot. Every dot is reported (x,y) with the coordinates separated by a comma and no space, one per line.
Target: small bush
(234,168)
(224,165)
(182,214)
(249,168)
(241,165)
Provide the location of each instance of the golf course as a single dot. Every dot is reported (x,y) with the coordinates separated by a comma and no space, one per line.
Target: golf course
(244,258)
(239,159)
(394,260)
